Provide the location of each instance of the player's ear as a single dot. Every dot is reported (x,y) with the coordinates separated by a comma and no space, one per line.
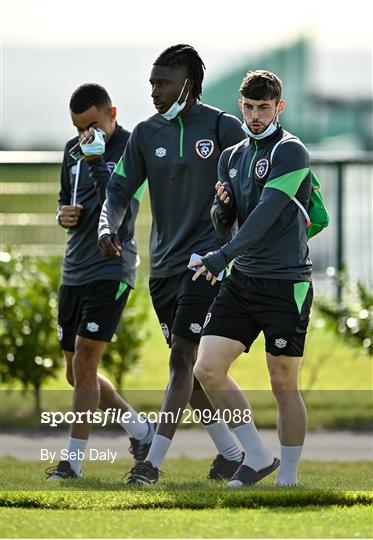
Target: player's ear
(113,113)
(240,104)
(281,106)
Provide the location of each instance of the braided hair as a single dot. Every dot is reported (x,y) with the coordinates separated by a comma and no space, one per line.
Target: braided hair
(184,55)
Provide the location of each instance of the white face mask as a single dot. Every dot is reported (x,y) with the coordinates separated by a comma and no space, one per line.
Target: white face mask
(176,107)
(266,133)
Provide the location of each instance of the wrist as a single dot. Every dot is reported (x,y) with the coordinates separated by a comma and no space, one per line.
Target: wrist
(215,261)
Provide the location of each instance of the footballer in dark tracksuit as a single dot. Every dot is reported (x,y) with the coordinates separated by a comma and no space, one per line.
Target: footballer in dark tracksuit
(264,188)
(94,289)
(179,158)
(177,150)
(270,287)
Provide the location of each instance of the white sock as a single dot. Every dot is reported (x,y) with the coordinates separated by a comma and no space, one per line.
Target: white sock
(257,455)
(223,440)
(134,427)
(287,473)
(158,450)
(76,448)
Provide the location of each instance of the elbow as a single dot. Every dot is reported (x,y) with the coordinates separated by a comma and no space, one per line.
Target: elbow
(222,224)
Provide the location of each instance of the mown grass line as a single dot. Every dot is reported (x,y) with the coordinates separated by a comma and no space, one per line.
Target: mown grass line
(127,500)
(183,486)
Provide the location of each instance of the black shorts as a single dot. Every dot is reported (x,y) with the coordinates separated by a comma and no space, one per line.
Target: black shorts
(92,311)
(181,304)
(246,306)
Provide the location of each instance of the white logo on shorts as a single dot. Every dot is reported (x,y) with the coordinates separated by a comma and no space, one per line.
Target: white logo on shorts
(160,152)
(59,332)
(207,320)
(195,328)
(92,327)
(232,173)
(165,330)
(281,343)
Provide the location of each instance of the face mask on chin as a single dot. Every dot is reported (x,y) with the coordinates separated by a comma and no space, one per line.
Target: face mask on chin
(270,129)
(176,107)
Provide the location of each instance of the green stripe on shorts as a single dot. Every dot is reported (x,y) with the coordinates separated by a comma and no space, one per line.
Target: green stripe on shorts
(300,293)
(122,287)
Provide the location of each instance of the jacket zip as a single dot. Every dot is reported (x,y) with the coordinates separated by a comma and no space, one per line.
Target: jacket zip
(181,147)
(252,159)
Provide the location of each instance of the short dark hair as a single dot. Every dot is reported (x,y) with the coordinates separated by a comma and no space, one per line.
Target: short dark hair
(184,55)
(261,84)
(89,95)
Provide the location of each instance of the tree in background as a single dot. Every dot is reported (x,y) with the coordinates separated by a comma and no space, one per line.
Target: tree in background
(29,349)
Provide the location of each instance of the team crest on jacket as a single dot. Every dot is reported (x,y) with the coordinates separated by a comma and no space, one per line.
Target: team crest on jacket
(261,168)
(204,148)
(110,165)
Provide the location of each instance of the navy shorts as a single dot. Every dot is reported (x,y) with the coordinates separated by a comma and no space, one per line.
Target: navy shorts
(279,308)
(181,304)
(91,311)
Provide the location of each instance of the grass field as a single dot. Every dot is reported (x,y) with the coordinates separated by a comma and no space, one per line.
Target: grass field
(281,522)
(335,378)
(333,501)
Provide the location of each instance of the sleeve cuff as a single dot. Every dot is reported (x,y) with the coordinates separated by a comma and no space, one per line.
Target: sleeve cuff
(215,262)
(104,231)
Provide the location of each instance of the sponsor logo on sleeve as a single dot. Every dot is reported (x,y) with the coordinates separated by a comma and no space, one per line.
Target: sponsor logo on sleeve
(232,173)
(205,148)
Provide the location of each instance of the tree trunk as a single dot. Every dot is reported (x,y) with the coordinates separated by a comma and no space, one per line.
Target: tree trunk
(37,397)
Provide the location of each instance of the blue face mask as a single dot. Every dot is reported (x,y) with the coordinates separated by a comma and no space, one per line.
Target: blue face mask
(176,107)
(266,133)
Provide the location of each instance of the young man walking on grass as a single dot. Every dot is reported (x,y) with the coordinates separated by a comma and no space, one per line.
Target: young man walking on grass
(94,289)
(177,149)
(264,184)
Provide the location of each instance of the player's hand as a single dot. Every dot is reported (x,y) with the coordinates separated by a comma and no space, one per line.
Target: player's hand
(69,215)
(201,269)
(222,193)
(87,136)
(92,143)
(109,245)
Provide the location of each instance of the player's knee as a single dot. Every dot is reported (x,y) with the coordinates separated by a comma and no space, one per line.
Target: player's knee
(205,373)
(283,384)
(279,386)
(182,357)
(84,367)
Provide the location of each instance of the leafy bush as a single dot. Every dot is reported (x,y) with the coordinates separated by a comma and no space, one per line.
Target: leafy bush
(29,346)
(29,350)
(352,318)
